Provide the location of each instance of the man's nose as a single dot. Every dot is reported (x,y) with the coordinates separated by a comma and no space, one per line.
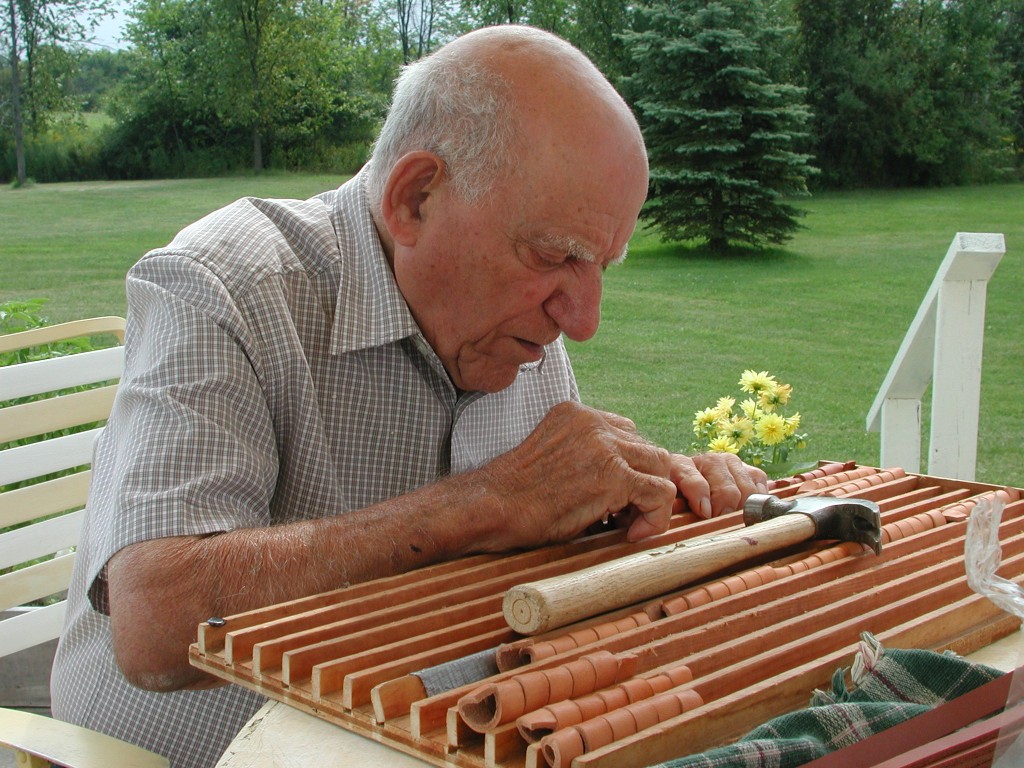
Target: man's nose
(576,305)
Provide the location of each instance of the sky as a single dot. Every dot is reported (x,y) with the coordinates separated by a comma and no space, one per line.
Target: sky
(108,33)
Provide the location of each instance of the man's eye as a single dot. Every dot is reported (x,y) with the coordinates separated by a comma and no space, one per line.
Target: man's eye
(547,259)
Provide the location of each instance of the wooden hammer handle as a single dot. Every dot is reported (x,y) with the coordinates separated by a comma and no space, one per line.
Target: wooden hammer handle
(538,606)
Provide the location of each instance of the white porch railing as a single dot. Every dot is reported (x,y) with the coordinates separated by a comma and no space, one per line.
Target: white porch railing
(943,347)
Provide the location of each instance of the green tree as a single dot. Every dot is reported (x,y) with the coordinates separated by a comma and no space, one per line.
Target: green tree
(593,26)
(598,33)
(38,36)
(722,136)
(553,15)
(267,65)
(418,23)
(904,91)
(1010,48)
(291,80)
(99,73)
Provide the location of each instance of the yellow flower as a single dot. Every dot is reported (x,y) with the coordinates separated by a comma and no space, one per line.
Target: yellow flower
(723,444)
(774,397)
(739,429)
(754,382)
(782,393)
(792,424)
(724,407)
(771,429)
(704,419)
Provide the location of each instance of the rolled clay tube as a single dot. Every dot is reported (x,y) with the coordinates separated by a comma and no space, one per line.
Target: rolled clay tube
(559,684)
(613,698)
(488,706)
(495,704)
(645,714)
(621,722)
(561,747)
(830,481)
(638,688)
(572,640)
(538,724)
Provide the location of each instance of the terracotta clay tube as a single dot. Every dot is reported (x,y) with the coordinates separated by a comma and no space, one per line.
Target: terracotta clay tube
(560,748)
(495,704)
(534,726)
(520,653)
(828,469)
(830,481)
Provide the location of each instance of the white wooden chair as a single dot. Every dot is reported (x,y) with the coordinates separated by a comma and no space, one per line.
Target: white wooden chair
(40,521)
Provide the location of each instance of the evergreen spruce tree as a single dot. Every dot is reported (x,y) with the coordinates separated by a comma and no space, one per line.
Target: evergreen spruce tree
(722,136)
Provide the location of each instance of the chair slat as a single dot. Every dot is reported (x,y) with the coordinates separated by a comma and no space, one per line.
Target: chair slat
(40,539)
(90,326)
(42,458)
(36,582)
(55,413)
(31,627)
(44,499)
(60,372)
(66,744)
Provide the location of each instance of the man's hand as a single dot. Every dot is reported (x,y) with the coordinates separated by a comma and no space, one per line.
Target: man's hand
(710,484)
(581,465)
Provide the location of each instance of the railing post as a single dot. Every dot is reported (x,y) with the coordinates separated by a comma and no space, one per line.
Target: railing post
(944,347)
(959,337)
(901,433)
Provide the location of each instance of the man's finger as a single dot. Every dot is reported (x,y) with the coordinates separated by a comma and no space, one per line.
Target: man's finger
(651,500)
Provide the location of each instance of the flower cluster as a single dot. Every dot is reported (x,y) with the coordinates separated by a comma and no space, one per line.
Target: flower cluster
(758,429)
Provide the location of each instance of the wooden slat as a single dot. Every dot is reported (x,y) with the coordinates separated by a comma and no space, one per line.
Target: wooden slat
(58,373)
(297,661)
(31,627)
(67,744)
(426,595)
(39,539)
(25,462)
(44,579)
(56,413)
(44,499)
(90,326)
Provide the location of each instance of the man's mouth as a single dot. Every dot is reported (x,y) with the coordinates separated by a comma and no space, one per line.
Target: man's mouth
(535,351)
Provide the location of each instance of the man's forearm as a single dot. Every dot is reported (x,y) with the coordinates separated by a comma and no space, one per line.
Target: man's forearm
(160,590)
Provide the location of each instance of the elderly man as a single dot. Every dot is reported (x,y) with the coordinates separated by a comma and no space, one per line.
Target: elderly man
(323,392)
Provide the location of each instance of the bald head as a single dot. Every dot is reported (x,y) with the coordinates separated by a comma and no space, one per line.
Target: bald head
(509,174)
(486,98)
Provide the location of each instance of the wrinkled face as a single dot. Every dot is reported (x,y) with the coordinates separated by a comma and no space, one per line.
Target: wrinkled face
(491,283)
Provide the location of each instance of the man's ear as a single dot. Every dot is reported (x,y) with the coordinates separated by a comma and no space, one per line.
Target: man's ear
(412,180)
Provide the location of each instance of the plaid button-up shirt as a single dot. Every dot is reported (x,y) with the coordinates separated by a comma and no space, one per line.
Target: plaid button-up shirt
(273,373)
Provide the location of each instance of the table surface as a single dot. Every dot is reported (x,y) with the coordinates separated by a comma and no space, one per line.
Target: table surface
(280,736)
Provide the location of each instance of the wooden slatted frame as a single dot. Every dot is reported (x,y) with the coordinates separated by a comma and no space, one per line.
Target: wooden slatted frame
(914,594)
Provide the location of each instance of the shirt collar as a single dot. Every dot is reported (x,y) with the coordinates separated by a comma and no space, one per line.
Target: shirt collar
(370,310)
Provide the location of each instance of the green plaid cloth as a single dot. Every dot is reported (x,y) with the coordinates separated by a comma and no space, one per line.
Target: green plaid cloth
(891,686)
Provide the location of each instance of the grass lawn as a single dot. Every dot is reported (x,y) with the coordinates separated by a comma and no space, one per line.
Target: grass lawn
(826,313)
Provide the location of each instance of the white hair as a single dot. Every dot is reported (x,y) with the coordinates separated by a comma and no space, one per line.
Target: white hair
(455,108)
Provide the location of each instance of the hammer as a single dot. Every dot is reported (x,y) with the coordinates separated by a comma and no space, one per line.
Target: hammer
(771,524)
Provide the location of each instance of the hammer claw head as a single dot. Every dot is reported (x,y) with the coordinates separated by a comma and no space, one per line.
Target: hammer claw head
(864,525)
